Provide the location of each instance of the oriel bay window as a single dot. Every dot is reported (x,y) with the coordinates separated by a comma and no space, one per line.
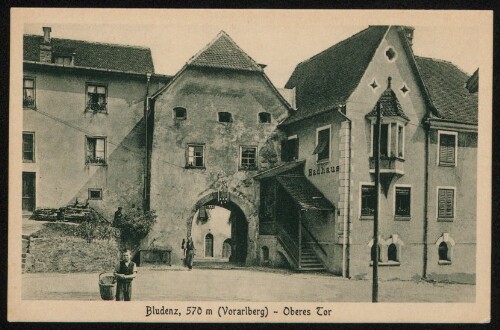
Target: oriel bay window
(28,92)
(391,140)
(195,156)
(322,149)
(447,151)
(368,199)
(248,158)
(96,97)
(96,150)
(402,203)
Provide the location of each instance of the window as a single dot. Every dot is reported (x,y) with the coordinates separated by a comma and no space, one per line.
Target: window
(226,249)
(322,149)
(443,252)
(368,199)
(248,158)
(225,117)
(392,252)
(392,136)
(446,203)
(290,149)
(195,155)
(264,117)
(402,207)
(95,193)
(28,147)
(445,245)
(96,97)
(265,254)
(96,151)
(209,246)
(447,148)
(180,113)
(63,60)
(28,93)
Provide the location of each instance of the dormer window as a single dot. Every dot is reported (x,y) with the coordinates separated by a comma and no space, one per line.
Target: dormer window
(63,60)
(180,113)
(225,117)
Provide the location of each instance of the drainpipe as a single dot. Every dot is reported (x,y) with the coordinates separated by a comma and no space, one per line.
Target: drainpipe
(426,198)
(345,238)
(146,161)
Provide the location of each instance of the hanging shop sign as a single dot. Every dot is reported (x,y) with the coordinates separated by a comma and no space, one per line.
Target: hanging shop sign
(320,170)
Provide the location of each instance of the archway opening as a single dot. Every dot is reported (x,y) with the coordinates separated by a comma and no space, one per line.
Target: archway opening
(219,232)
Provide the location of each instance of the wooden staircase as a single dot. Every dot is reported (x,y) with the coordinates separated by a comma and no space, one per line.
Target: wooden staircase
(309,261)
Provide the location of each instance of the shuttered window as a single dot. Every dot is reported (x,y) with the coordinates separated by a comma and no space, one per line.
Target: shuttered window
(447,145)
(446,203)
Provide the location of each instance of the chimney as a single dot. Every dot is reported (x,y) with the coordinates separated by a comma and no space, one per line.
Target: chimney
(408,32)
(46,47)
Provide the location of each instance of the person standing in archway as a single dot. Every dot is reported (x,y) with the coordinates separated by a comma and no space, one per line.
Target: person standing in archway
(190,252)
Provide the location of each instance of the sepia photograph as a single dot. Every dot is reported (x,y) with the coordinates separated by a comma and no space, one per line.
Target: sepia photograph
(250,165)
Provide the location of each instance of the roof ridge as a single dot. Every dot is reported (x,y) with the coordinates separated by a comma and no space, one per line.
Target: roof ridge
(339,44)
(96,42)
(221,34)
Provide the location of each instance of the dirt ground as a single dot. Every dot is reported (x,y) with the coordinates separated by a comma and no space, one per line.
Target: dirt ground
(167,284)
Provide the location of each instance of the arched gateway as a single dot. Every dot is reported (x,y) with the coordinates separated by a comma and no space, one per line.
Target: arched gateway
(230,229)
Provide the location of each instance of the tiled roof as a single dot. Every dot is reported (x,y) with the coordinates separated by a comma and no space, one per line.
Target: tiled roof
(223,53)
(294,167)
(390,105)
(329,78)
(94,55)
(306,195)
(446,85)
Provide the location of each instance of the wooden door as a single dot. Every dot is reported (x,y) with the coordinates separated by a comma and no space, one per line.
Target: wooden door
(29,191)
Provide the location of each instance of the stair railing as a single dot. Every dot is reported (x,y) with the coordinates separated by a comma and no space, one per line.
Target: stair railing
(314,240)
(288,244)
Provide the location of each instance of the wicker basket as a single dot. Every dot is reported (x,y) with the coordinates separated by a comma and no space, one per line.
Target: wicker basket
(107,286)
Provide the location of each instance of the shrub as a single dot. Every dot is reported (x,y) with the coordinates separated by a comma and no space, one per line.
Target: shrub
(95,227)
(136,225)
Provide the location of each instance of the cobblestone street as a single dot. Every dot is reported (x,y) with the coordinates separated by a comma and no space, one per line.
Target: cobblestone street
(242,285)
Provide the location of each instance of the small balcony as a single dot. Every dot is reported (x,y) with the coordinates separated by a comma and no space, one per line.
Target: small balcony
(388,165)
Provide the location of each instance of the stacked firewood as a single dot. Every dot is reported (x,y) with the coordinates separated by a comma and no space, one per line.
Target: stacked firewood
(74,212)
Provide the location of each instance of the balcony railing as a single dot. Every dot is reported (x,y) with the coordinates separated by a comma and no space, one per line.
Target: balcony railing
(96,160)
(96,107)
(28,102)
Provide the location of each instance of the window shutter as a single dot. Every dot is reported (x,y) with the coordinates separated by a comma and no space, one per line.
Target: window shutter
(446,203)
(447,149)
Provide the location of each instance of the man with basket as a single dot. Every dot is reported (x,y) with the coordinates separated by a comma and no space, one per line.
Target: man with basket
(124,273)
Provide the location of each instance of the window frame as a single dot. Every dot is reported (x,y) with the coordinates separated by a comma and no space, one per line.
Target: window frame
(225,122)
(87,162)
(319,129)
(187,156)
(450,243)
(446,219)
(438,160)
(390,152)
(242,167)
(174,113)
(87,98)
(362,216)
(34,92)
(402,217)
(33,147)
(296,151)
(94,190)
(264,122)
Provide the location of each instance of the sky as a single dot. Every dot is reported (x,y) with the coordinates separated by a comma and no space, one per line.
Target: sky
(279,38)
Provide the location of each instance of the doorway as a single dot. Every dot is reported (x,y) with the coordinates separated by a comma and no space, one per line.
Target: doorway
(29,192)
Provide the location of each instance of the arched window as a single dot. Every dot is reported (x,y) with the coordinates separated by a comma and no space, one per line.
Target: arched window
(209,245)
(265,254)
(226,248)
(392,252)
(264,117)
(373,253)
(443,252)
(225,117)
(180,113)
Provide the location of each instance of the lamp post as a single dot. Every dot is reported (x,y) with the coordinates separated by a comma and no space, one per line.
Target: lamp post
(375,216)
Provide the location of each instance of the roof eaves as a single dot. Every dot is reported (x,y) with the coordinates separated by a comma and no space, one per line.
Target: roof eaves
(75,67)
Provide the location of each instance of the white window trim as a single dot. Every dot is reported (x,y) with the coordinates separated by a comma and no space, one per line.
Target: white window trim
(329,144)
(450,242)
(395,54)
(394,200)
(187,155)
(440,132)
(398,125)
(291,137)
(205,245)
(389,122)
(105,138)
(95,189)
(454,202)
(361,184)
(240,165)
(96,84)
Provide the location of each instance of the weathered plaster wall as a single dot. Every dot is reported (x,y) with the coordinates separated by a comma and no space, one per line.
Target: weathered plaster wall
(61,124)
(218,225)
(176,190)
